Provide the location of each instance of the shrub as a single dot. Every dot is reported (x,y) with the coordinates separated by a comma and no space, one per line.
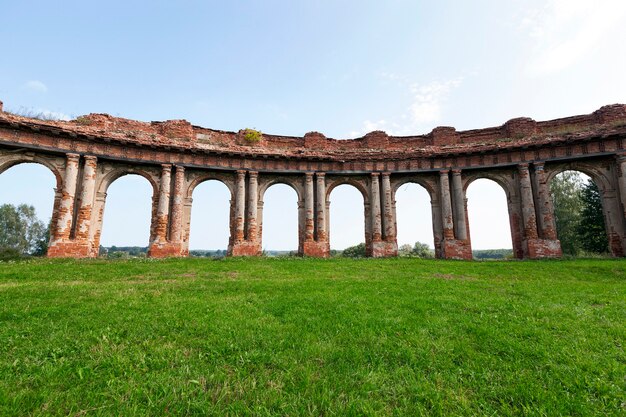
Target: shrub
(252,135)
(83,120)
(9,254)
(357,251)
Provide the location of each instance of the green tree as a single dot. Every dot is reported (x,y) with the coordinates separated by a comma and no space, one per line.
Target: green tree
(357,251)
(41,242)
(22,231)
(422,250)
(591,228)
(405,250)
(566,196)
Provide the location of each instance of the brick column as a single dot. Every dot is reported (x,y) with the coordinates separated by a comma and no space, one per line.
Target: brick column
(309,212)
(240,205)
(621,181)
(388,208)
(446,205)
(453,219)
(87,199)
(322,234)
(163,207)
(546,221)
(176,230)
(375,208)
(528,205)
(253,202)
(314,241)
(66,205)
(382,227)
(460,226)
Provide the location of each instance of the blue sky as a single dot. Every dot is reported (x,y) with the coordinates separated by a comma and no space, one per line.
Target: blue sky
(340,67)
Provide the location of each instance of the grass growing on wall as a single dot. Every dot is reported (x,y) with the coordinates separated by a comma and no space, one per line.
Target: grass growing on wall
(312,337)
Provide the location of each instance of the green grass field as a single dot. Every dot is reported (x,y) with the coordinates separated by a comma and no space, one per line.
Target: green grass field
(312,337)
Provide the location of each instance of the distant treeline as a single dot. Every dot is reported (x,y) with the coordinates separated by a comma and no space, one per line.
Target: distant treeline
(493,254)
(123,251)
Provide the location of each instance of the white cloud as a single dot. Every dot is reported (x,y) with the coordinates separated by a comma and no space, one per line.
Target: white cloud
(428,100)
(54,115)
(565,31)
(371,126)
(423,110)
(36,86)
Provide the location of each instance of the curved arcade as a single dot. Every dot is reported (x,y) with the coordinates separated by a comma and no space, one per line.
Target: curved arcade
(87,154)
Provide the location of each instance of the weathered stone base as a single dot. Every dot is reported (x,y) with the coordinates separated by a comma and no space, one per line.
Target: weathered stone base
(543,248)
(384,249)
(316,249)
(615,244)
(245,249)
(166,250)
(69,249)
(457,249)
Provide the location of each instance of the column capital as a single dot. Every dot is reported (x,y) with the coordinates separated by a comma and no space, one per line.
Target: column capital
(180,168)
(320,175)
(523,166)
(72,156)
(621,157)
(241,172)
(444,171)
(456,172)
(166,167)
(253,174)
(539,166)
(308,175)
(92,158)
(386,174)
(375,174)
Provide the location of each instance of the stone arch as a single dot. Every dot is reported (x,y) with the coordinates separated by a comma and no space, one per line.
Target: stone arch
(429,184)
(358,183)
(295,184)
(506,179)
(116,173)
(109,173)
(264,186)
(420,180)
(361,185)
(104,198)
(602,174)
(596,173)
(197,178)
(54,165)
(9,161)
(488,211)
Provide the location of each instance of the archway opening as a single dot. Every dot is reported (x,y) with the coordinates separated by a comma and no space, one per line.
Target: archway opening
(489,223)
(347,219)
(26,197)
(414,220)
(280,220)
(210,219)
(127,217)
(578,214)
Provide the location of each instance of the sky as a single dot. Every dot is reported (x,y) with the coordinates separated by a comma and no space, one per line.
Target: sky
(341,67)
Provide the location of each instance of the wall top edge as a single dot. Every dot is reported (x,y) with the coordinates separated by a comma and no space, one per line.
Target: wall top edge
(180,135)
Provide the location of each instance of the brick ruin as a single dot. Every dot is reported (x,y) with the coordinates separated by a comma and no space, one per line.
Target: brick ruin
(87,154)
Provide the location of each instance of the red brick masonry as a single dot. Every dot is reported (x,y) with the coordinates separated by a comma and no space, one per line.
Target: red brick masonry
(87,154)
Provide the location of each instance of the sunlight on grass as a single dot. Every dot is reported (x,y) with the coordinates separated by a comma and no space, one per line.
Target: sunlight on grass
(312,337)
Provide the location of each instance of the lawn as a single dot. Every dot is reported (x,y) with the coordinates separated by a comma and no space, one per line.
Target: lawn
(312,337)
